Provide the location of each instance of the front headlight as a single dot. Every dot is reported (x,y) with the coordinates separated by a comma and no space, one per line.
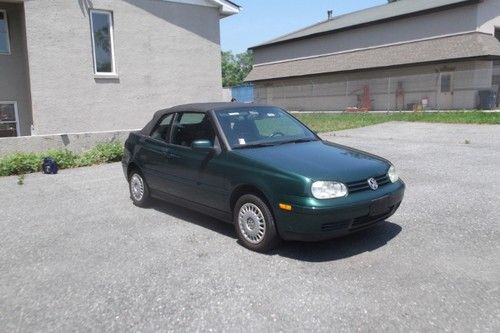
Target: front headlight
(328,190)
(393,175)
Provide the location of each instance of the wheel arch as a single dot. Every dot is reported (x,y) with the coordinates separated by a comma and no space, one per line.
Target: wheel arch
(132,166)
(243,189)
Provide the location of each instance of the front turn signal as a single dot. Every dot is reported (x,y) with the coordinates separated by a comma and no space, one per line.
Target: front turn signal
(286,207)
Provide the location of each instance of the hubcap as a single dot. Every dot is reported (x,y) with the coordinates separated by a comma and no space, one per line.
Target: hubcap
(137,187)
(252,223)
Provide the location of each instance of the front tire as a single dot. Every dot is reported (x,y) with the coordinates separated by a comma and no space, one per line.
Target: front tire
(254,224)
(139,190)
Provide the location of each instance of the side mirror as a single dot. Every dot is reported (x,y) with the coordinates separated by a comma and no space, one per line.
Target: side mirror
(204,146)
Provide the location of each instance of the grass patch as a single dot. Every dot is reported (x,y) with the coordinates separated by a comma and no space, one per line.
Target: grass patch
(328,122)
(22,163)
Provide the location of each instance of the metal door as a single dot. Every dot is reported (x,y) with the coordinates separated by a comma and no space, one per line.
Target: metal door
(445,91)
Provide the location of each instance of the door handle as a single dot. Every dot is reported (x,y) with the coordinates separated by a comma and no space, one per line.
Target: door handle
(170,155)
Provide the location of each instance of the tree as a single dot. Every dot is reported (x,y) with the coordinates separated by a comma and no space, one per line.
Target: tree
(235,67)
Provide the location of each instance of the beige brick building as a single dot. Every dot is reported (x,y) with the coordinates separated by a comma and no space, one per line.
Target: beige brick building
(439,53)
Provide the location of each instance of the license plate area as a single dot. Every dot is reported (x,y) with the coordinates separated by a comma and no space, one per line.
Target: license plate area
(379,206)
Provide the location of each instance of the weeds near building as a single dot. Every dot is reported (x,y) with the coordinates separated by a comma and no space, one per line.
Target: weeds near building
(21,163)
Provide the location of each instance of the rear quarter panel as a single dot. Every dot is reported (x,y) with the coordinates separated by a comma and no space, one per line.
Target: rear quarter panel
(130,148)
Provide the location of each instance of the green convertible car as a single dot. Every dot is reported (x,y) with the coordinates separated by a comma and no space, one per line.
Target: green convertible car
(258,167)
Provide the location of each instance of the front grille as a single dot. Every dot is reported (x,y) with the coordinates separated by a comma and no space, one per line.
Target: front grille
(362,185)
(359,222)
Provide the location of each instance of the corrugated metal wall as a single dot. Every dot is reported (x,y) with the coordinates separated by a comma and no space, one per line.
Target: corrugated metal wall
(243,93)
(392,92)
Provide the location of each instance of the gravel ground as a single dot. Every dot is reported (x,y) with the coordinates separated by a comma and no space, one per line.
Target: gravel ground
(76,255)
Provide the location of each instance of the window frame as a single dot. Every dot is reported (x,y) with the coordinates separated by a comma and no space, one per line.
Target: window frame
(175,122)
(16,114)
(167,141)
(111,37)
(8,52)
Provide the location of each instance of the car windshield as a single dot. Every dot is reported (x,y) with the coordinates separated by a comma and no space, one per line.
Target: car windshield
(249,127)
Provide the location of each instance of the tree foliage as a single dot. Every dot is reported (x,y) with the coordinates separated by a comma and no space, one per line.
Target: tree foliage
(235,67)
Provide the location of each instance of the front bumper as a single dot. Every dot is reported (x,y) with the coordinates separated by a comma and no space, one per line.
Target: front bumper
(340,217)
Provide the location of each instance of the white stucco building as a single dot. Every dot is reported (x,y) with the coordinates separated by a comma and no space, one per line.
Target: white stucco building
(71,66)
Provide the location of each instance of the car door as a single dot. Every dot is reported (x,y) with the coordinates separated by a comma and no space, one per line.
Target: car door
(195,175)
(154,152)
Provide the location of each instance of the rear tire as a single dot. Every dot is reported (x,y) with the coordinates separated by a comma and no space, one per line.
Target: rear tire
(254,224)
(139,189)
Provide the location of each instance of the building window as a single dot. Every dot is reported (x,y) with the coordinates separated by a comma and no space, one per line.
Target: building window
(101,23)
(9,125)
(497,33)
(4,33)
(445,83)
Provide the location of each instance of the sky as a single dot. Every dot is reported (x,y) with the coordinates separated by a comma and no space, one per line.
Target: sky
(263,20)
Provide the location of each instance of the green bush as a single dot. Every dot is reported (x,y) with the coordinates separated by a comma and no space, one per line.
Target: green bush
(65,158)
(102,153)
(22,163)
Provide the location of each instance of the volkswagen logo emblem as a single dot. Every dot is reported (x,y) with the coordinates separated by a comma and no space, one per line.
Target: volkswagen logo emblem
(373,183)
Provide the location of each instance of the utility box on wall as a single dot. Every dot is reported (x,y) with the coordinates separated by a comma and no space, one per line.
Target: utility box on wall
(243,93)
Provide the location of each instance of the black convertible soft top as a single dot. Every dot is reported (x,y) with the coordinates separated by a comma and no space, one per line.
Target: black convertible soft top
(195,107)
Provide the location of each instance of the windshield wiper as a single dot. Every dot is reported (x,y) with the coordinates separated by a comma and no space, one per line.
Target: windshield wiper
(297,141)
(255,145)
(270,144)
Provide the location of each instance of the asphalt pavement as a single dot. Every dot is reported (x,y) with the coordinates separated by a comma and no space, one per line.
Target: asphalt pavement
(76,255)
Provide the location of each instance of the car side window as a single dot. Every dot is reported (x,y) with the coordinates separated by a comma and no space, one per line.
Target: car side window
(192,126)
(162,129)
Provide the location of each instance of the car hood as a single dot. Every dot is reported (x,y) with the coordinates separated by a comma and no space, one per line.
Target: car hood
(318,160)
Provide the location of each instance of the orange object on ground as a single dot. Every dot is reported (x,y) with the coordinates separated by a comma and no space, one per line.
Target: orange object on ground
(364,101)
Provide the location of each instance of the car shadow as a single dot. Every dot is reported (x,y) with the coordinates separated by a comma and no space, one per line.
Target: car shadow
(194,217)
(340,248)
(336,249)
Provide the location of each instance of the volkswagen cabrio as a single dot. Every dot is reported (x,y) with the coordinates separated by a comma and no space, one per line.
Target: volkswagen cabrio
(258,167)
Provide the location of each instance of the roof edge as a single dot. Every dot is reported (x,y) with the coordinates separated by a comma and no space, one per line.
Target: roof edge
(415,64)
(276,40)
(371,48)
(226,7)
(486,48)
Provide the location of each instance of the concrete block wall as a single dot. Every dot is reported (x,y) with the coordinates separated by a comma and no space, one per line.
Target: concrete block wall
(76,142)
